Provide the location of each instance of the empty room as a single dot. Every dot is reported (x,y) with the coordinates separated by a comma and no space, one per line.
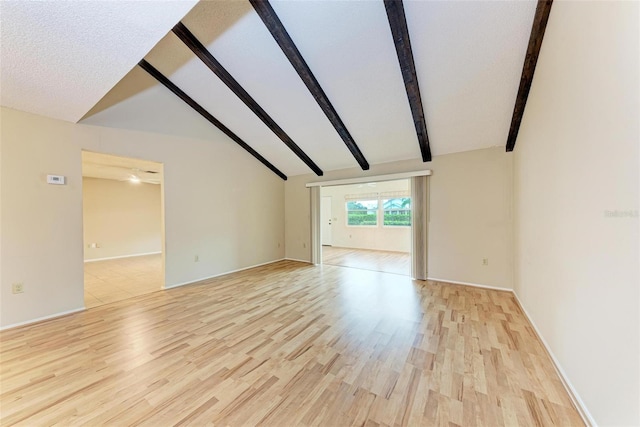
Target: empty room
(122,228)
(168,171)
(367,226)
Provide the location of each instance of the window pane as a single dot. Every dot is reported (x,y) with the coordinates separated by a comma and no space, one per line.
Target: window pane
(362,212)
(362,205)
(362,218)
(397,212)
(400,203)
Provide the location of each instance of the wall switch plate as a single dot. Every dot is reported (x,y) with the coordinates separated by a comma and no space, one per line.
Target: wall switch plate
(485,261)
(196,258)
(17,288)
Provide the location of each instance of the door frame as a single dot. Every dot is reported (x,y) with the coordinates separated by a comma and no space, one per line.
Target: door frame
(315,202)
(323,221)
(162,212)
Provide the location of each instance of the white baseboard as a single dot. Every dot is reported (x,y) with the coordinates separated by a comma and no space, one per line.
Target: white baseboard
(191,282)
(573,394)
(298,260)
(40,319)
(571,391)
(475,285)
(369,249)
(121,256)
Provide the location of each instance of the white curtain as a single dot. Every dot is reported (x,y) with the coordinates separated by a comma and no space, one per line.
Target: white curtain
(316,248)
(362,196)
(394,194)
(419,227)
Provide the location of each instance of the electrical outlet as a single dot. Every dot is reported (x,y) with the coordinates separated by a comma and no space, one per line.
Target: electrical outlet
(485,261)
(196,258)
(17,288)
(304,245)
(278,244)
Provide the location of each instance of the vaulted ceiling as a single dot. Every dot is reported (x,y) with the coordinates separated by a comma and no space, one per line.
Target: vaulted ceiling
(60,57)
(354,98)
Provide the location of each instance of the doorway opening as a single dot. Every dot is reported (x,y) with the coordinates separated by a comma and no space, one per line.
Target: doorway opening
(123,227)
(367,226)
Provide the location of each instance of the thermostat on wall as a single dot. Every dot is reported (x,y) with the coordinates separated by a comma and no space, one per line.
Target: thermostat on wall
(56,179)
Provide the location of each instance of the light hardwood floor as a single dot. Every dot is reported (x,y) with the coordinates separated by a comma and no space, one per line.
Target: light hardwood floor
(367,259)
(287,344)
(117,279)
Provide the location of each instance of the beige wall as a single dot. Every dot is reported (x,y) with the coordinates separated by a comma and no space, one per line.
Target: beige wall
(211,192)
(397,239)
(576,158)
(123,218)
(470,215)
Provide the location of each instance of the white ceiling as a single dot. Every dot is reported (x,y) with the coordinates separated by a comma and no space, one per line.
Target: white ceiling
(468,56)
(106,166)
(60,57)
(349,48)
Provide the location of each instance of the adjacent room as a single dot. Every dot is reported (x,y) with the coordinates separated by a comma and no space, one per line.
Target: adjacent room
(320,213)
(122,227)
(367,226)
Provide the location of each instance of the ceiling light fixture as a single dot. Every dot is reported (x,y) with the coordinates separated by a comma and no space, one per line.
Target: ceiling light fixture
(135,179)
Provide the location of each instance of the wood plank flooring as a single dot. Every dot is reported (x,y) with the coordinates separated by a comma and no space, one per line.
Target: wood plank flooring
(287,344)
(117,279)
(367,259)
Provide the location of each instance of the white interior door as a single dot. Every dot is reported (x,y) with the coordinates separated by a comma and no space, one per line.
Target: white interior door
(325,220)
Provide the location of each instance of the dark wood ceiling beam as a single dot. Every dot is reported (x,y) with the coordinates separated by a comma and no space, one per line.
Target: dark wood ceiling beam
(526,78)
(205,56)
(400,33)
(282,37)
(204,113)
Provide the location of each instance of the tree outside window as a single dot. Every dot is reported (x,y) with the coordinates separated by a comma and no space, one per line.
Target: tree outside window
(397,212)
(362,213)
